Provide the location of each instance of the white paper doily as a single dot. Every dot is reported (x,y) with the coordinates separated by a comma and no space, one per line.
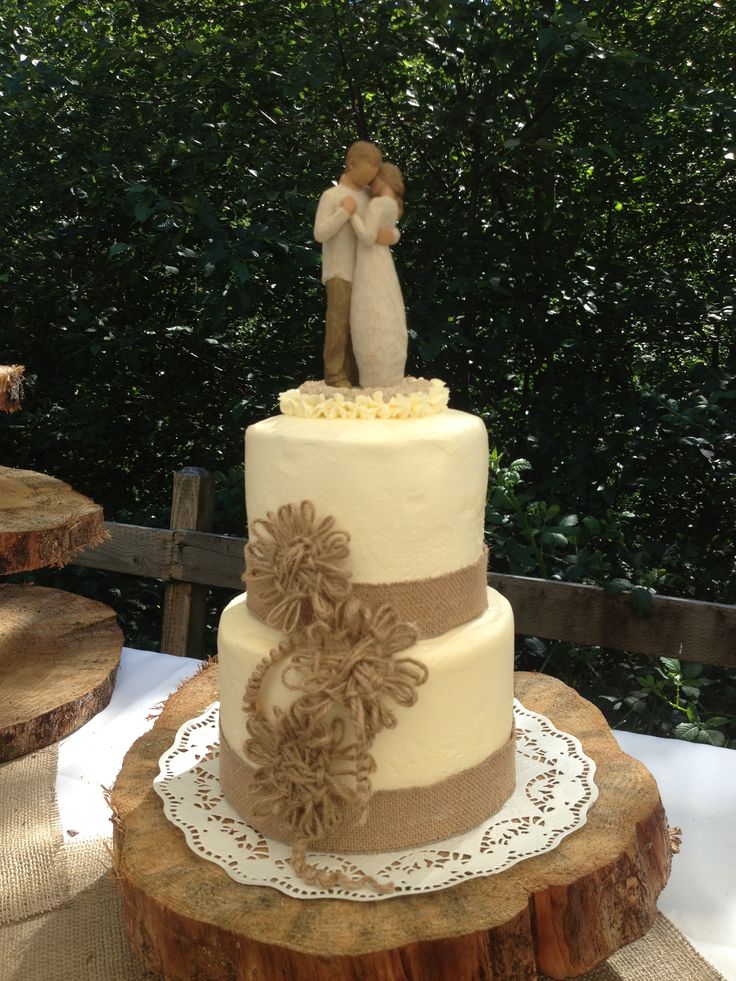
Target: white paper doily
(554,790)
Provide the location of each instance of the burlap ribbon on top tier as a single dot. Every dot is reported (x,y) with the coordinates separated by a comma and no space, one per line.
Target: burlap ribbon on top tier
(434,605)
(312,762)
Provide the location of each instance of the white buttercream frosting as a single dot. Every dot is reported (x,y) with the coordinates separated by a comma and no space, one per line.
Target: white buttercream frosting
(410,492)
(409,401)
(463,712)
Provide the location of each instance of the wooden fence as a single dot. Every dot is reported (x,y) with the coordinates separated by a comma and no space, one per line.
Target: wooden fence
(189,559)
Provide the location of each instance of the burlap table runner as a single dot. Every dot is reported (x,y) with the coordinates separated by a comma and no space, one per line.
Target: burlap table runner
(60,916)
(32,879)
(662,955)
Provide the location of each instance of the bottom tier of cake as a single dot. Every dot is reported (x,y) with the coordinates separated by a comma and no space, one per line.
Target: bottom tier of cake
(446,765)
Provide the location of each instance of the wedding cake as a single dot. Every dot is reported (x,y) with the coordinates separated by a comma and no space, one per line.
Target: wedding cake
(366,674)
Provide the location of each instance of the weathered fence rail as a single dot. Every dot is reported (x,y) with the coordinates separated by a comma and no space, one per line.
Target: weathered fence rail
(189,559)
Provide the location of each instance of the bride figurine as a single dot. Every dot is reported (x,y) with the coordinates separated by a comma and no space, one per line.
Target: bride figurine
(377,314)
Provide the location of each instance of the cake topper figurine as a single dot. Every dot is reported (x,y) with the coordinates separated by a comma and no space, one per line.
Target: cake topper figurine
(365,322)
(377,314)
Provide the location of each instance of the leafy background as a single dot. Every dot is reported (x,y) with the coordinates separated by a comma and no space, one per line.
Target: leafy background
(567,262)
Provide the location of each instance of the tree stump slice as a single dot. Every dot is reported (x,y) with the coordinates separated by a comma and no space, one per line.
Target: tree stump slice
(59,654)
(43,522)
(558,914)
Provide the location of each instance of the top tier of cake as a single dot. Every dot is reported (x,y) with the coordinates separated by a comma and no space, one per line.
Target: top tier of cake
(410,492)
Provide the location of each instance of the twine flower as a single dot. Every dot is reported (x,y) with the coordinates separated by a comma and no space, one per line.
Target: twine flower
(305,770)
(351,660)
(292,562)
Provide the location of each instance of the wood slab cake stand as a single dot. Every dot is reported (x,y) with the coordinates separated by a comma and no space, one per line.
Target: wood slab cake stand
(558,914)
(58,652)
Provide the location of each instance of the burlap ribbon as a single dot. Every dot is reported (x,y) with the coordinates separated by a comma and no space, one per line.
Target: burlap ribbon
(396,819)
(434,605)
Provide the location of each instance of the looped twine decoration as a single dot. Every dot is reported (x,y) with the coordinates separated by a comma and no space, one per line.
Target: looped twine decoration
(301,760)
(294,559)
(313,762)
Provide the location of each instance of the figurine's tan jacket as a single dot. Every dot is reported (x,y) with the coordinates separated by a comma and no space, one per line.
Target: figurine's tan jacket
(332,228)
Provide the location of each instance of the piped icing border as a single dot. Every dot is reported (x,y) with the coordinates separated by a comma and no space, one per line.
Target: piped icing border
(414,398)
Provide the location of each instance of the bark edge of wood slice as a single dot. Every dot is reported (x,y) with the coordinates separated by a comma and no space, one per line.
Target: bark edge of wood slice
(43,521)
(558,914)
(11,387)
(59,654)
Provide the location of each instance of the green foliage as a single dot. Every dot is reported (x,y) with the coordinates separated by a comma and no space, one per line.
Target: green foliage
(567,254)
(660,698)
(529,537)
(653,512)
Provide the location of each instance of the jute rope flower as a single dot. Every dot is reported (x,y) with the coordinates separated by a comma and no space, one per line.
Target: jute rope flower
(292,560)
(349,660)
(302,761)
(351,657)
(343,658)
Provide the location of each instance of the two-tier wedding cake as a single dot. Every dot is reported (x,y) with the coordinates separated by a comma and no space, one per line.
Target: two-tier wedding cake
(367,673)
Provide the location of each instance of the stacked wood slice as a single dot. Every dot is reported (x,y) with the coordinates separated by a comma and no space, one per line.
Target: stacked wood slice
(43,522)
(11,387)
(59,653)
(558,914)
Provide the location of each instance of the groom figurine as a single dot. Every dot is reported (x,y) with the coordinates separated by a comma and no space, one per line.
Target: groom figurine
(333,230)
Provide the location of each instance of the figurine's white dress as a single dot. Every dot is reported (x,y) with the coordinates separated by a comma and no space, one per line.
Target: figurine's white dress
(377,314)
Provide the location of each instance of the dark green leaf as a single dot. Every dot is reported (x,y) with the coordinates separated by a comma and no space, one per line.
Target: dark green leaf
(642,601)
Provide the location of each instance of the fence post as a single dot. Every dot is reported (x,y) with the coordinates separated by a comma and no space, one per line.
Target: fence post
(182,629)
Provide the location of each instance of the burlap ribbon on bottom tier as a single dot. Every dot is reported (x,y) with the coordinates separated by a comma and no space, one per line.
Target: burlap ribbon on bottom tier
(396,819)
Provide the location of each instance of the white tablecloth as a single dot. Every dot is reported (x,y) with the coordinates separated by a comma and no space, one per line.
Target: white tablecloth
(697,784)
